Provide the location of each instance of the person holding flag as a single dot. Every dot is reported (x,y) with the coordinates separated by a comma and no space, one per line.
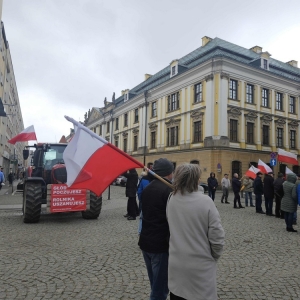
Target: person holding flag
(258,191)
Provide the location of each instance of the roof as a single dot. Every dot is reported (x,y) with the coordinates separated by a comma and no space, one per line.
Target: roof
(215,48)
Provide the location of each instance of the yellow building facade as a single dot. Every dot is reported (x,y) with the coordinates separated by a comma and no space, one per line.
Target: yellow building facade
(221,105)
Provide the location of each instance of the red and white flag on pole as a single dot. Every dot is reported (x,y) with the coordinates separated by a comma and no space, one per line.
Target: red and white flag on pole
(287,157)
(264,168)
(288,171)
(28,134)
(92,162)
(252,171)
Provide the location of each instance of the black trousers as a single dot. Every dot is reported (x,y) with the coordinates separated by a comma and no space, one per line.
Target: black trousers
(237,198)
(278,212)
(174,297)
(132,207)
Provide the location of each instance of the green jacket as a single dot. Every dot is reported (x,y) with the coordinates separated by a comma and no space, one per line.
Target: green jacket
(289,200)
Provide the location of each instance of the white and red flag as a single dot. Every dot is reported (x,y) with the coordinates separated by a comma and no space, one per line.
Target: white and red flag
(264,168)
(252,171)
(92,162)
(28,134)
(288,171)
(287,157)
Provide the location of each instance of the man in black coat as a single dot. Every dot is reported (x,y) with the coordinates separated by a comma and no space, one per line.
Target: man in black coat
(269,193)
(212,183)
(278,191)
(155,234)
(236,187)
(258,191)
(131,189)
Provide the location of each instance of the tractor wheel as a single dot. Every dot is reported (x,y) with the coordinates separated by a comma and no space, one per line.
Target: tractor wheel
(32,202)
(95,207)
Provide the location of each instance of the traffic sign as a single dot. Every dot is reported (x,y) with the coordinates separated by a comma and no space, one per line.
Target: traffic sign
(273,155)
(273,162)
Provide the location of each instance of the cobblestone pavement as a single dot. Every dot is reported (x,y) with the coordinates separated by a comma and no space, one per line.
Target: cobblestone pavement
(67,257)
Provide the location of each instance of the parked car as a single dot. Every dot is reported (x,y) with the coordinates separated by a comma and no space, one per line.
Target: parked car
(205,186)
(120,180)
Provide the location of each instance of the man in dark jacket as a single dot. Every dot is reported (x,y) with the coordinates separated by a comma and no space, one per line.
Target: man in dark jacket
(269,193)
(278,191)
(131,189)
(258,191)
(212,183)
(154,237)
(236,187)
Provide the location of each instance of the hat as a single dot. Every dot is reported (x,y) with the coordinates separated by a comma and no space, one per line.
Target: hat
(259,173)
(163,167)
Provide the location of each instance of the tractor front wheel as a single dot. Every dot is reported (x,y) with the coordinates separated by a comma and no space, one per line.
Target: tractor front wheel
(32,202)
(95,207)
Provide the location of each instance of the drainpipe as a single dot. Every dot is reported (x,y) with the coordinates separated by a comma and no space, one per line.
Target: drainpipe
(145,137)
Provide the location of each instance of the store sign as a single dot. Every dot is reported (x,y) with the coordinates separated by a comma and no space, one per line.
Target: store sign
(64,199)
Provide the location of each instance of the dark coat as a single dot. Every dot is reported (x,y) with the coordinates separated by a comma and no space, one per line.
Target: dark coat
(131,184)
(236,185)
(154,237)
(212,182)
(278,189)
(269,186)
(258,186)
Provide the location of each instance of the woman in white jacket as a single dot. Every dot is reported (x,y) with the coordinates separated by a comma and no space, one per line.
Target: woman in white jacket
(196,238)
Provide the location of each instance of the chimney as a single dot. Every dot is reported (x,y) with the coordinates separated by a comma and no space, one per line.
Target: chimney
(256,49)
(124,91)
(293,63)
(147,76)
(205,40)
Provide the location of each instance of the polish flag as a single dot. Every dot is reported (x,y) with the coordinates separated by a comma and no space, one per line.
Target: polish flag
(92,162)
(263,167)
(28,134)
(288,171)
(287,157)
(252,171)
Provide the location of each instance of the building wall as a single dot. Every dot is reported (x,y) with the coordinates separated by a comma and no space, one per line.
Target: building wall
(215,112)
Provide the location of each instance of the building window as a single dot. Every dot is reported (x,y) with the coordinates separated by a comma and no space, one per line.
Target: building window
(233,131)
(107,127)
(279,101)
(236,167)
(125,120)
(233,89)
(197,132)
(94,129)
(153,140)
(292,106)
(135,143)
(117,143)
(117,124)
(173,70)
(279,137)
(100,133)
(293,139)
(250,133)
(265,64)
(136,115)
(250,93)
(172,137)
(173,101)
(125,145)
(265,135)
(265,97)
(195,162)
(153,109)
(125,97)
(198,92)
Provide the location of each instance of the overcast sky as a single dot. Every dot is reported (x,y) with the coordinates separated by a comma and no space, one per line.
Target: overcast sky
(70,54)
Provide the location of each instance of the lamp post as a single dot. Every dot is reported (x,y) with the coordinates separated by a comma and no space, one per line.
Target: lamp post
(111,135)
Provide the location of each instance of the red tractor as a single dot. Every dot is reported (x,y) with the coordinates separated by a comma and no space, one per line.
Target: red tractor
(45,183)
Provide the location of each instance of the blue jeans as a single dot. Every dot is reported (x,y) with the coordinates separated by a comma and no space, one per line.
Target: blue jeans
(288,219)
(157,268)
(248,194)
(211,193)
(258,202)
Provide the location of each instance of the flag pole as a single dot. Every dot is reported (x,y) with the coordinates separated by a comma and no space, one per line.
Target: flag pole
(160,178)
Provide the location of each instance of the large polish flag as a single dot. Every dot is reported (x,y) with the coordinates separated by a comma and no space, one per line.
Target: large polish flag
(288,171)
(28,134)
(92,162)
(287,157)
(252,171)
(264,167)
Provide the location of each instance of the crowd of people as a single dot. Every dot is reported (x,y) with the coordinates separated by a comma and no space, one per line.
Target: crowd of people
(285,192)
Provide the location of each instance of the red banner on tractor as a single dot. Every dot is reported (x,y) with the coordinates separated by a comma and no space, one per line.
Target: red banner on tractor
(64,199)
